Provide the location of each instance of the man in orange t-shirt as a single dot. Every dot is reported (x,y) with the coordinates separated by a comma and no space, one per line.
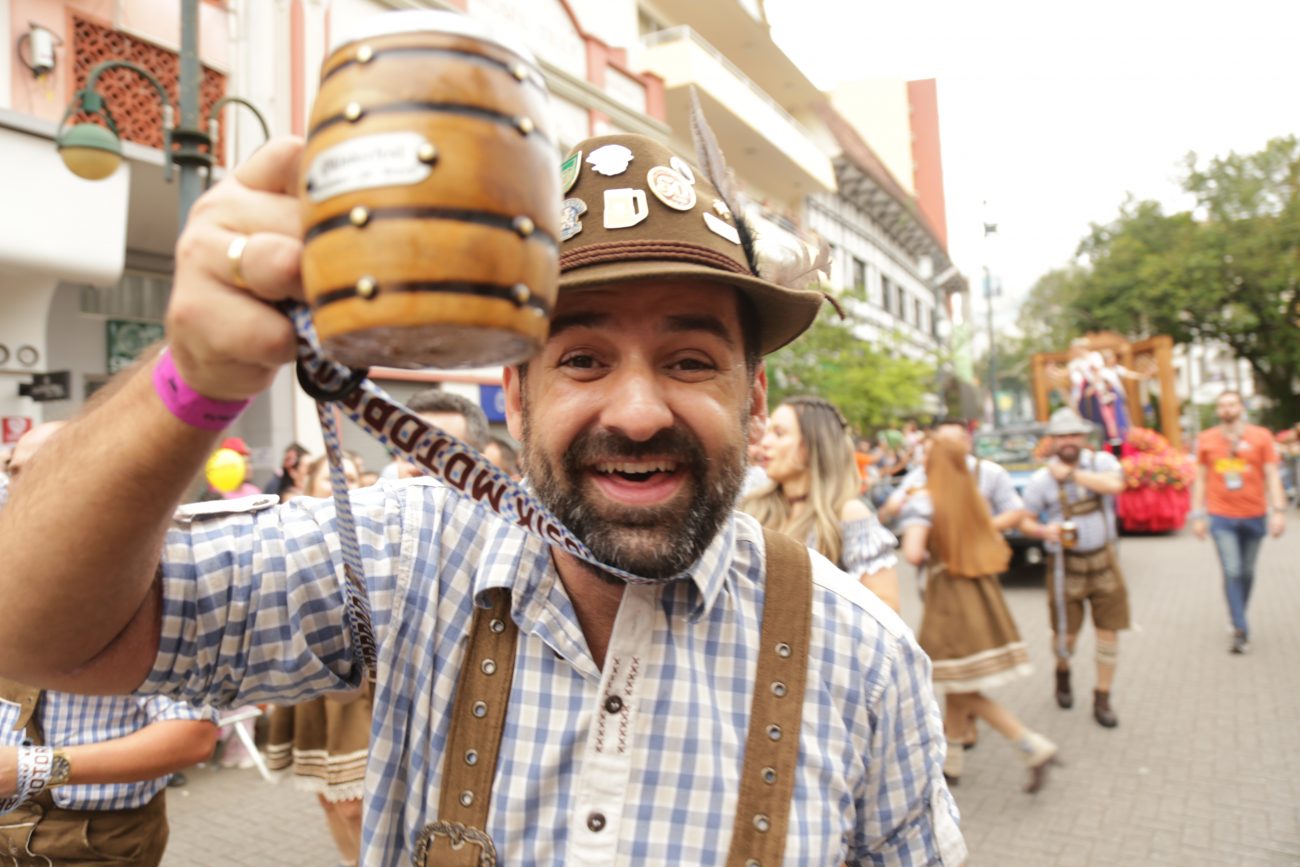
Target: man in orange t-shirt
(1236,477)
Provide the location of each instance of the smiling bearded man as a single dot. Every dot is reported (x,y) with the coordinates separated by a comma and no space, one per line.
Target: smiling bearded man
(735,699)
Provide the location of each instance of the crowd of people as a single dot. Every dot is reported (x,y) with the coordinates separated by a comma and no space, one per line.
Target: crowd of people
(715,646)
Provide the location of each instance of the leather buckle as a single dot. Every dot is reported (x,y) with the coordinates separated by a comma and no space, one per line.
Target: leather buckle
(457,835)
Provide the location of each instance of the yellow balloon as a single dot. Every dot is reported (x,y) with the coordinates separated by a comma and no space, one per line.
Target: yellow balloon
(225,470)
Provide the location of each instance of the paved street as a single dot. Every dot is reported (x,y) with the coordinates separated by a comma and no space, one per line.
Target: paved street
(1203,770)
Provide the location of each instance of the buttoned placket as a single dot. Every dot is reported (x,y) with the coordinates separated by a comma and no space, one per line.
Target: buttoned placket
(606,767)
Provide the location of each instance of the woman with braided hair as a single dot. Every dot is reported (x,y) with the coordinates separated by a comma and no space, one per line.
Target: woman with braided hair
(812,493)
(967,629)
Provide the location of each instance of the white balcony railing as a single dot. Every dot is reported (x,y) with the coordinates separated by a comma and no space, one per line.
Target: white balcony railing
(681,56)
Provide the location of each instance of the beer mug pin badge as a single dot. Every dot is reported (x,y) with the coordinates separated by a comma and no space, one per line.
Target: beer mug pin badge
(671,188)
(624,208)
(571,210)
(610,159)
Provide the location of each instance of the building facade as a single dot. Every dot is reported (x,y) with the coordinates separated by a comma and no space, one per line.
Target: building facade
(86,271)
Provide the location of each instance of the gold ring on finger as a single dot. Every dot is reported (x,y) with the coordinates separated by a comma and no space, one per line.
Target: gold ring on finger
(235,255)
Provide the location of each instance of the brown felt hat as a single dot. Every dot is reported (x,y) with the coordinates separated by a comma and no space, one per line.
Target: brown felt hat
(635,210)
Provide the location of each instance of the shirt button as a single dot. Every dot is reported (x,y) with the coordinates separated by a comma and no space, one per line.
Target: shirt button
(595,821)
(613,704)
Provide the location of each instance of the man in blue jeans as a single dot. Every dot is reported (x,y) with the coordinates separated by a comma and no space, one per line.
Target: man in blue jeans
(1236,479)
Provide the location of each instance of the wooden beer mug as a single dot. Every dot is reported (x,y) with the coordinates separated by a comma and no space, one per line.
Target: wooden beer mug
(430,197)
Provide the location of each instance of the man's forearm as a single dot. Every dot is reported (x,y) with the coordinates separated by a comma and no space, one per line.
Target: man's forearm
(1198,490)
(1008,520)
(1102,483)
(157,749)
(82,536)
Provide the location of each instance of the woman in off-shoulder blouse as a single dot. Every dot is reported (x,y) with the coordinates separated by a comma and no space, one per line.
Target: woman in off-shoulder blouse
(812,494)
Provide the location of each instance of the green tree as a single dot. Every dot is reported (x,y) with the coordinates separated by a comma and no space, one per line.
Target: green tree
(1228,271)
(871,386)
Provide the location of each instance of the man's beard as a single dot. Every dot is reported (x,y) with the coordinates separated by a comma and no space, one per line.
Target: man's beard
(1229,417)
(653,542)
(1069,454)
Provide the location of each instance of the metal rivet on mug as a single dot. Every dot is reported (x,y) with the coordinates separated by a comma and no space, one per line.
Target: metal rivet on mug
(769,775)
(497,625)
(466,798)
(519,71)
(610,159)
(778,689)
(471,757)
(524,226)
(520,293)
(489,667)
(353,111)
(359,216)
(570,211)
(762,823)
(366,287)
(774,732)
(480,709)
(365,54)
(427,153)
(671,188)
(717,227)
(525,125)
(683,168)
(783,650)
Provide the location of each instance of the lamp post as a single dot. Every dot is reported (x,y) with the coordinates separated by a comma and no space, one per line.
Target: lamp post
(94,152)
(990,290)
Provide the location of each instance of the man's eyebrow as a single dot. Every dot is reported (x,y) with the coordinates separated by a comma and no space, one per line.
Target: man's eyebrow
(578,320)
(700,322)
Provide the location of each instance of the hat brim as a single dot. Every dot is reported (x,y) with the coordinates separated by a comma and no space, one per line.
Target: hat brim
(783,314)
(1071,431)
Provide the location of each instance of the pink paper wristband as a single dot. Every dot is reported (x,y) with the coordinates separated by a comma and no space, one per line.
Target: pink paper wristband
(187,404)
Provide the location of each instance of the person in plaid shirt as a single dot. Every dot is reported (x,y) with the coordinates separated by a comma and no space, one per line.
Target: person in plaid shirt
(630,702)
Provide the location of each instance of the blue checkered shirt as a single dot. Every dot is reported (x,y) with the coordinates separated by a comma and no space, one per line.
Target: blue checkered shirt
(253,611)
(75,720)
(1043,499)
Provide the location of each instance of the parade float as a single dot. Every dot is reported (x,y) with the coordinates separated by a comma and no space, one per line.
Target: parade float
(1117,384)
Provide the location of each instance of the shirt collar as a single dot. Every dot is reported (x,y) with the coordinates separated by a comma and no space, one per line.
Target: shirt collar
(521,563)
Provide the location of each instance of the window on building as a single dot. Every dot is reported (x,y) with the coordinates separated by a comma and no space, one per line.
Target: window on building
(902,305)
(859,275)
(917,304)
(886,293)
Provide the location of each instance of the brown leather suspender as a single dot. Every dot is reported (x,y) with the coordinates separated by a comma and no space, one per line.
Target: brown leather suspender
(459,837)
(776,715)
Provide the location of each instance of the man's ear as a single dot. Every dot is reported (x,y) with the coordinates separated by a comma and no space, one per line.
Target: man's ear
(758,403)
(513,384)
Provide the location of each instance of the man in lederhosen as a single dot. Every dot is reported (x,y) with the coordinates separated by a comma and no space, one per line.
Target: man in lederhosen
(626,712)
(1075,494)
(83,778)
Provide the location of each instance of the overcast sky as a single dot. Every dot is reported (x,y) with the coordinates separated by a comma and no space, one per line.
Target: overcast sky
(1051,111)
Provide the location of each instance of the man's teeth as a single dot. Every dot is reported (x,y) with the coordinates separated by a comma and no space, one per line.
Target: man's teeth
(636,467)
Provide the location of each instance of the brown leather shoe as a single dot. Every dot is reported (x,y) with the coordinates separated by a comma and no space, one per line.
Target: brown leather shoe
(1064,695)
(1101,709)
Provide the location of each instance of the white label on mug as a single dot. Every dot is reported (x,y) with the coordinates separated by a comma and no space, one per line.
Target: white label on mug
(380,160)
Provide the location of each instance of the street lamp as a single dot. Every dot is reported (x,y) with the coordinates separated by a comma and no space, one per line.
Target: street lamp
(94,152)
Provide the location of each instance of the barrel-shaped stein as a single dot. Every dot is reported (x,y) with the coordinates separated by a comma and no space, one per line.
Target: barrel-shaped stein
(431,201)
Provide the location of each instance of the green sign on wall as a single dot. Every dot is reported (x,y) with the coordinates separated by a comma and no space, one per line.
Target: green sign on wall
(127,339)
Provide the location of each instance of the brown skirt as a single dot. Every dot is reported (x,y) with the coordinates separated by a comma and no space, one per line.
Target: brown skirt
(324,743)
(969,634)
